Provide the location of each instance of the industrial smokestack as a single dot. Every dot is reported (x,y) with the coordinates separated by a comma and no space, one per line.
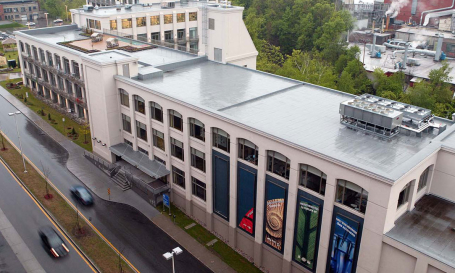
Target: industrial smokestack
(437,56)
(405,59)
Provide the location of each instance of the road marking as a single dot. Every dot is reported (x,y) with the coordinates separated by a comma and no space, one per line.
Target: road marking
(74,207)
(50,219)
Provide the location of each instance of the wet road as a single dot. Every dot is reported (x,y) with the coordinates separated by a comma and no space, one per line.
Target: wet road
(27,218)
(139,240)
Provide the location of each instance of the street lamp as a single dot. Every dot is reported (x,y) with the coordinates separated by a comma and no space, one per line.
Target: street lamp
(19,136)
(66,8)
(47,22)
(170,255)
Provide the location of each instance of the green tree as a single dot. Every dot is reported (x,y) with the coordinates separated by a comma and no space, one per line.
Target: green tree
(346,83)
(420,95)
(439,83)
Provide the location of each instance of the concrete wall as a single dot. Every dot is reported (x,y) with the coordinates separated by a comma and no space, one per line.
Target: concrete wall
(443,184)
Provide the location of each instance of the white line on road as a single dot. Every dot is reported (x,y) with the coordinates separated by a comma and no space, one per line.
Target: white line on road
(23,253)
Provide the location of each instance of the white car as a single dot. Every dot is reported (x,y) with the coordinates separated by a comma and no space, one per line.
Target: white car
(29,24)
(58,21)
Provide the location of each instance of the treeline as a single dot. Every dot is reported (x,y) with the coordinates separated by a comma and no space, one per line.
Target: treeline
(302,39)
(56,8)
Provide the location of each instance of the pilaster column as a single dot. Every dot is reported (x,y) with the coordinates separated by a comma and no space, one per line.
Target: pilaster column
(260,195)
(233,192)
(208,179)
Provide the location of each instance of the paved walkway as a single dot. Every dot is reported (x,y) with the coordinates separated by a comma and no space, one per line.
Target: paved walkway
(99,182)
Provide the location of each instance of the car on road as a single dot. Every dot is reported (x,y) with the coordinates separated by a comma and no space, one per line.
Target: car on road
(58,21)
(82,195)
(53,242)
(30,24)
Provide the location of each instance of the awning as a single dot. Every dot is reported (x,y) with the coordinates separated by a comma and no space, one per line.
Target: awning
(139,160)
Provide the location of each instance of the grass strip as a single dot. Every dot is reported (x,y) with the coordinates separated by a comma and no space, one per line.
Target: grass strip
(56,117)
(105,258)
(231,257)
(14,24)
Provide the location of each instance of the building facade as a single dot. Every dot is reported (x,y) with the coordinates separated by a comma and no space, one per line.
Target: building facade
(20,10)
(260,160)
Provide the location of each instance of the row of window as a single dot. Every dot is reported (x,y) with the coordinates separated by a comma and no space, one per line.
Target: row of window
(23,9)
(197,186)
(142,21)
(403,197)
(50,59)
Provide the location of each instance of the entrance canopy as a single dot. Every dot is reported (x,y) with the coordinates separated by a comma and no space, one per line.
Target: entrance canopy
(141,161)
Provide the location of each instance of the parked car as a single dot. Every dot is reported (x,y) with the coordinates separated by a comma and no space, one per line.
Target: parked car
(58,21)
(53,242)
(29,24)
(82,195)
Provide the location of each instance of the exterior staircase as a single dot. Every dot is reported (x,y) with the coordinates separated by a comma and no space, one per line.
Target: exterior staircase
(120,179)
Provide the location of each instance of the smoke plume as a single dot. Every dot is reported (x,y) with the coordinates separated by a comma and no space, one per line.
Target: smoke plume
(395,7)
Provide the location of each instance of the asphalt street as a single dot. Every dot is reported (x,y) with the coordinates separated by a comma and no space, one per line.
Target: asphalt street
(27,218)
(139,240)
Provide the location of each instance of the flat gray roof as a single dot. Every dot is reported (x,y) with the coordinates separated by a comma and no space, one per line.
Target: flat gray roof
(428,229)
(299,113)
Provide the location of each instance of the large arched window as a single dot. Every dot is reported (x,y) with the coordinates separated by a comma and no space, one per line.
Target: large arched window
(248,151)
(175,120)
(351,195)
(139,104)
(278,164)
(423,179)
(404,195)
(156,111)
(312,178)
(124,97)
(221,140)
(197,129)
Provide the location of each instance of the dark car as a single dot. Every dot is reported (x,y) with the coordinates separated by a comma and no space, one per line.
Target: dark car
(53,242)
(82,194)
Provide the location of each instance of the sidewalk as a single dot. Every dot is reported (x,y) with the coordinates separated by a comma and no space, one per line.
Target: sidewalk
(99,182)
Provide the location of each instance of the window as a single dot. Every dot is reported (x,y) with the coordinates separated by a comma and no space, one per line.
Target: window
(52,78)
(42,56)
(158,139)
(198,188)
(155,36)
(60,83)
(141,130)
(312,178)
(113,24)
(45,75)
(27,46)
(197,129)
(178,177)
(168,19)
(404,194)
(22,9)
(49,59)
(140,21)
(98,24)
(22,46)
(248,151)
(139,104)
(38,71)
(126,121)
(221,140)
(58,64)
(450,48)
(198,159)
(193,16)
(35,53)
(124,98)
(76,70)
(211,23)
(156,111)
(66,65)
(177,149)
(168,35)
(193,33)
(128,142)
(180,17)
(159,160)
(154,20)
(144,151)
(69,87)
(181,34)
(278,164)
(127,23)
(175,120)
(351,195)
(423,179)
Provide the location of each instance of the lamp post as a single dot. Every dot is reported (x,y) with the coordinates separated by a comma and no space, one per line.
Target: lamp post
(66,8)
(19,136)
(47,22)
(170,255)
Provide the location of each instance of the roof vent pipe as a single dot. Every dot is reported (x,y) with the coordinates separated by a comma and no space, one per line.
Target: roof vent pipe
(427,11)
(437,56)
(405,59)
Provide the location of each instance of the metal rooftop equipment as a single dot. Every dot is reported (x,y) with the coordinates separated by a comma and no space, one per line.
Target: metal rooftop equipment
(384,117)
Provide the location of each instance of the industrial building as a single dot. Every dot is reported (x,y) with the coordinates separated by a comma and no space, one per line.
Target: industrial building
(297,177)
(23,10)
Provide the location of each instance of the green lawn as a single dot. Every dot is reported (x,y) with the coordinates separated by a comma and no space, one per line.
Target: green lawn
(221,249)
(10,55)
(12,25)
(36,105)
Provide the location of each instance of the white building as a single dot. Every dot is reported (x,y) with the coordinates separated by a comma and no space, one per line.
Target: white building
(259,159)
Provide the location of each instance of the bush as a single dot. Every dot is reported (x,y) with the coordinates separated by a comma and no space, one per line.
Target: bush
(49,116)
(25,99)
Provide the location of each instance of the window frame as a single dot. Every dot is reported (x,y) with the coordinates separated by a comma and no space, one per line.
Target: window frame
(124,98)
(193,124)
(154,108)
(403,196)
(423,179)
(127,23)
(138,100)
(168,19)
(215,133)
(177,172)
(270,165)
(303,181)
(113,24)
(241,151)
(139,131)
(197,156)
(192,16)
(141,21)
(174,148)
(155,20)
(181,17)
(125,120)
(156,136)
(195,185)
(343,196)
(172,119)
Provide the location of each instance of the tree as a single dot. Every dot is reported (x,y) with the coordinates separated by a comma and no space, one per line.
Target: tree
(346,83)
(420,95)
(46,173)
(439,83)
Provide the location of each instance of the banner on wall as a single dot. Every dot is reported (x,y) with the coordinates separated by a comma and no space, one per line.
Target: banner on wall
(343,245)
(274,223)
(246,198)
(306,237)
(247,221)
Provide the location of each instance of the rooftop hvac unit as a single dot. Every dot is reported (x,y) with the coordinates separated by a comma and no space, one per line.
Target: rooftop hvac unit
(88,8)
(128,6)
(413,62)
(167,4)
